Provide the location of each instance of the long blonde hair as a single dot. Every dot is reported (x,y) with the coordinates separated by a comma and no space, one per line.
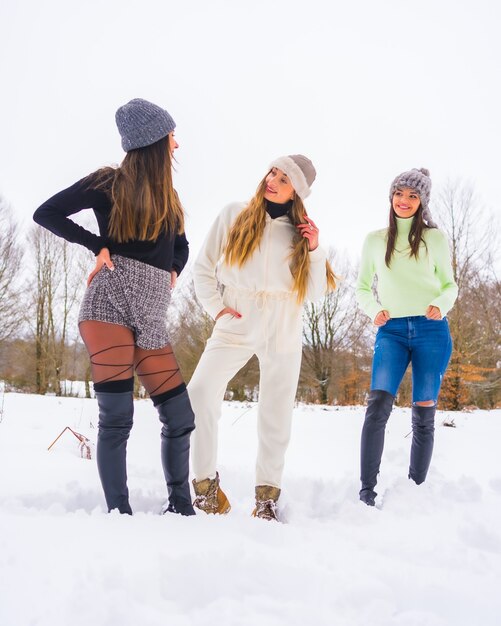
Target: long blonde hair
(247,231)
(144,202)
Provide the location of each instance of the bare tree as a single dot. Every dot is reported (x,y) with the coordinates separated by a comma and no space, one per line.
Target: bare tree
(469,230)
(11,315)
(334,333)
(474,320)
(58,285)
(44,249)
(71,269)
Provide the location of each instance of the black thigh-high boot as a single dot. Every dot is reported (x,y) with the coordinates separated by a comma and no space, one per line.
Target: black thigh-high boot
(115,423)
(423,433)
(372,442)
(178,420)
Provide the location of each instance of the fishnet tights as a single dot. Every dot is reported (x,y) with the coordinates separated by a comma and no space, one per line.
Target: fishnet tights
(114,356)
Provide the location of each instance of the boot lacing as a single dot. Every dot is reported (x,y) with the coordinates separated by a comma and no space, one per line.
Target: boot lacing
(208,500)
(266,508)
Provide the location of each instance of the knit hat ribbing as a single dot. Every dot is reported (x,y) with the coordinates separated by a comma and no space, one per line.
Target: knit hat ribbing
(142,123)
(420,181)
(300,171)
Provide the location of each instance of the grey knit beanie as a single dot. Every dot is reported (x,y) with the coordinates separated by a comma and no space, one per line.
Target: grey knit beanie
(141,123)
(300,171)
(420,181)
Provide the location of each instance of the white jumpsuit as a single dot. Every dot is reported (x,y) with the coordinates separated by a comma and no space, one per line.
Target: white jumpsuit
(270,328)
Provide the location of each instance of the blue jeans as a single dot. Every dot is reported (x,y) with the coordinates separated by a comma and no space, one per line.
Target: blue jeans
(425,343)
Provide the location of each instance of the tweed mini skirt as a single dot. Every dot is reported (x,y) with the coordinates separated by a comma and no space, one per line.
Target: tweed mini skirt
(135,295)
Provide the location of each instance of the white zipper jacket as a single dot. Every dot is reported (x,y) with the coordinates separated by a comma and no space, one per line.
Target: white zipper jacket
(270,327)
(265,277)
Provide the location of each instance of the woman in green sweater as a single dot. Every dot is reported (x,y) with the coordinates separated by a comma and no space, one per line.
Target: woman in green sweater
(415,289)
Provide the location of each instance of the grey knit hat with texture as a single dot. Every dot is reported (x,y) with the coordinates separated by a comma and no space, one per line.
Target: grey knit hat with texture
(300,171)
(141,123)
(420,181)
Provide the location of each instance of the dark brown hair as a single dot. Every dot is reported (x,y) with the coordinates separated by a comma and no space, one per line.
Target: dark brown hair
(418,226)
(144,202)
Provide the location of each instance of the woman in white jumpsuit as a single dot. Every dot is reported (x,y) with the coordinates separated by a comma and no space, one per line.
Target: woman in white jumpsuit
(258,264)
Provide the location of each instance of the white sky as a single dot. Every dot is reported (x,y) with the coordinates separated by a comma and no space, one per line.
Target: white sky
(365,89)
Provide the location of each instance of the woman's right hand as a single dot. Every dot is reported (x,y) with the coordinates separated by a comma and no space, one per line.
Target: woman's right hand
(103,258)
(227,311)
(381,318)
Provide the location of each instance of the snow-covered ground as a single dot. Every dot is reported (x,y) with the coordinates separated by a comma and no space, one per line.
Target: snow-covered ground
(426,556)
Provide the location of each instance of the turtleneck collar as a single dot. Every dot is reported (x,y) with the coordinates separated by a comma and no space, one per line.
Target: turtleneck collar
(403,225)
(275,210)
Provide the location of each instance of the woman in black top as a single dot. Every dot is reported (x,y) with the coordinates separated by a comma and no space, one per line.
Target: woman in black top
(140,251)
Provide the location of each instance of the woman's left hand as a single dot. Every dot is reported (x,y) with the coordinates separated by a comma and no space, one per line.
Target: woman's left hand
(173,278)
(310,232)
(433,313)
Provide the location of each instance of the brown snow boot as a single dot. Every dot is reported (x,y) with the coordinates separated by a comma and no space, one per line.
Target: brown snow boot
(266,502)
(210,497)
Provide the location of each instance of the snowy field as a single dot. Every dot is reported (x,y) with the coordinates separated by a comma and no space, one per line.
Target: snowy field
(426,556)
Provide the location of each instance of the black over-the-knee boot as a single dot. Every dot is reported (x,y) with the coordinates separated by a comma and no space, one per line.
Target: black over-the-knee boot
(423,433)
(178,421)
(115,423)
(372,442)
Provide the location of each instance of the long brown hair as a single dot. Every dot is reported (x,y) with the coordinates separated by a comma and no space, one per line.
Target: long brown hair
(415,238)
(246,233)
(144,202)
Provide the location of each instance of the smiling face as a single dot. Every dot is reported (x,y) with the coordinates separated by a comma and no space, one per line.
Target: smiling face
(405,202)
(279,189)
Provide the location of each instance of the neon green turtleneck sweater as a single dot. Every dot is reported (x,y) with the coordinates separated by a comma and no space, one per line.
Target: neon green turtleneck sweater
(409,285)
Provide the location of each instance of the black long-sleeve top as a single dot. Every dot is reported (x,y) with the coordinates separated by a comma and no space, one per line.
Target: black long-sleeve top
(168,252)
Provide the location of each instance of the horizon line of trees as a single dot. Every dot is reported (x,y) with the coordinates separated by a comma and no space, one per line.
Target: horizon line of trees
(40,347)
